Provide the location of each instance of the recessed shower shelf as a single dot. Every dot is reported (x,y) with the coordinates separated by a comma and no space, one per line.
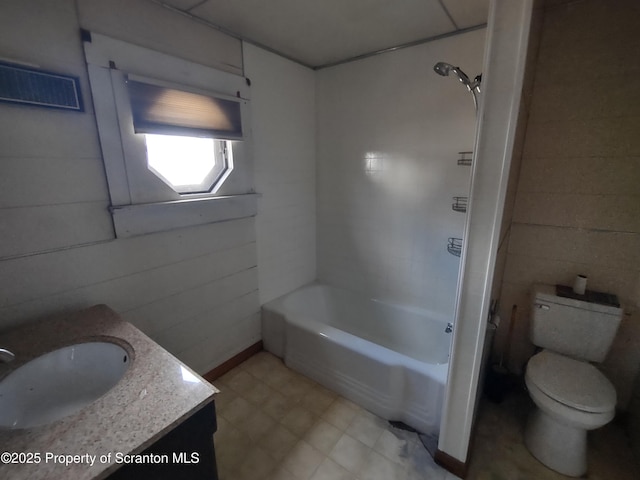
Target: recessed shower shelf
(465,158)
(460,204)
(454,246)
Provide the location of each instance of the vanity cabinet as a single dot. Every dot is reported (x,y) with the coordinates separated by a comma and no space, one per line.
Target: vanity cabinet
(160,409)
(180,446)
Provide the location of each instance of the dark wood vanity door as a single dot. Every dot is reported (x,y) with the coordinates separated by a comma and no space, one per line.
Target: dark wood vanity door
(193,436)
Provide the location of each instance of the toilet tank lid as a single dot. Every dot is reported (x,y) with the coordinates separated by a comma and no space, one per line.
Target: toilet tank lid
(577,384)
(547,293)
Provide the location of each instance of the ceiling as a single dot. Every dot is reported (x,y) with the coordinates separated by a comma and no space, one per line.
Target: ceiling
(319,33)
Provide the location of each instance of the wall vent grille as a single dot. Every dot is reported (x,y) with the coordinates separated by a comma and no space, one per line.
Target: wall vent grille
(22,85)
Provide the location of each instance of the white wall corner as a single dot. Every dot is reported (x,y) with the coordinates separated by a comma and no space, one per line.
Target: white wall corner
(504,64)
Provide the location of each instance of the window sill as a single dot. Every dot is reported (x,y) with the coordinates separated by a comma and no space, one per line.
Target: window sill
(142,219)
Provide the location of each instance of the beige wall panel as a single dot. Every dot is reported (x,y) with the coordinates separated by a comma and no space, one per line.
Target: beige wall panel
(592,59)
(568,24)
(589,175)
(576,101)
(602,212)
(608,249)
(584,138)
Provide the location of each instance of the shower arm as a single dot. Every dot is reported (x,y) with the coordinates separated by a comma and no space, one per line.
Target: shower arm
(475,85)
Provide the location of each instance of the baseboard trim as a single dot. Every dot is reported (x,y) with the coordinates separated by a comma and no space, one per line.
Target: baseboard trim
(233,362)
(450,463)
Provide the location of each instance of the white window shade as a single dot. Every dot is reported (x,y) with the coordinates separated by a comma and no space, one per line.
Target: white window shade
(162,110)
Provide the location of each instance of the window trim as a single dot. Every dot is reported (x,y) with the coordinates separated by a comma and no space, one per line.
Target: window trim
(141,219)
(109,58)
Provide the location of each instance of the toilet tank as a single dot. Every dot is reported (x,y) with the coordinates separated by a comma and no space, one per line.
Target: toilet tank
(575,328)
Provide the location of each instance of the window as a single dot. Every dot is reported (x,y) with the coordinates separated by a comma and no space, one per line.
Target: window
(186,135)
(189,164)
(175,138)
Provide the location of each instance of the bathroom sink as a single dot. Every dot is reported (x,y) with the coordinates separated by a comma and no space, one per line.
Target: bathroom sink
(60,383)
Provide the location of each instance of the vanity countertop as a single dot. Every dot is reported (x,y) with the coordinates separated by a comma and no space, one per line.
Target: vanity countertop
(157,393)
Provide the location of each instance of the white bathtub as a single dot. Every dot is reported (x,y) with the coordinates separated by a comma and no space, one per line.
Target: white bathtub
(389,359)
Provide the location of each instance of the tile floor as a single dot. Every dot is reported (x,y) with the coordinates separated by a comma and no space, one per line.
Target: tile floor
(498,451)
(275,424)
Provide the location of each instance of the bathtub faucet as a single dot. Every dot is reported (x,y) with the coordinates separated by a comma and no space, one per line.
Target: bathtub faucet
(6,356)
(449,328)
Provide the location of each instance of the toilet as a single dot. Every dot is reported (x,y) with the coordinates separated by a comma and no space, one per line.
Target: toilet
(571,395)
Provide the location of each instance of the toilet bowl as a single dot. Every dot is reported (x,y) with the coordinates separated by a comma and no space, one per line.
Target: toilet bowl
(571,397)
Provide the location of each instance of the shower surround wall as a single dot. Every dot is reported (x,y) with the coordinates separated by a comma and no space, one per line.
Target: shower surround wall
(389,132)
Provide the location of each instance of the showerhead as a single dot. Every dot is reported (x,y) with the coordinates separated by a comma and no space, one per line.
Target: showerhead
(442,68)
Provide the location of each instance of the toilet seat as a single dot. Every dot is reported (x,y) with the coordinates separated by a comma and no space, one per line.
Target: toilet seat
(573,383)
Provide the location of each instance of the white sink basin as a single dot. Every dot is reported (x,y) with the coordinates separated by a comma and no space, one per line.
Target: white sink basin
(60,383)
